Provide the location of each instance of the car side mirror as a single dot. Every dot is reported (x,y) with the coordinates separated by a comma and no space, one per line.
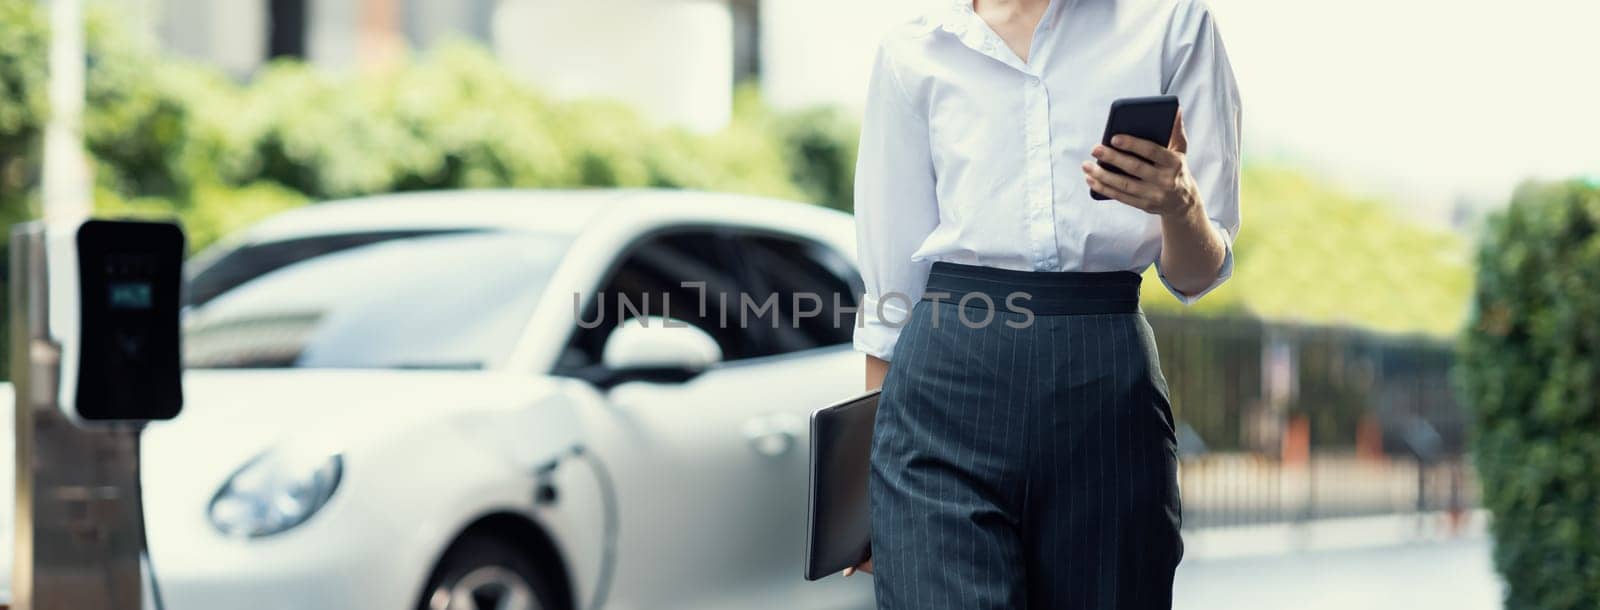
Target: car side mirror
(652,348)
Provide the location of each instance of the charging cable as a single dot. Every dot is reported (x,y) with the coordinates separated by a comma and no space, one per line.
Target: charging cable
(610,517)
(144,523)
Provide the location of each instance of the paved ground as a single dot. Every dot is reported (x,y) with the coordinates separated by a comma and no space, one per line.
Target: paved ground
(1433,575)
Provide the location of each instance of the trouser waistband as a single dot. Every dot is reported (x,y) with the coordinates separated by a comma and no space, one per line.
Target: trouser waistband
(1045,293)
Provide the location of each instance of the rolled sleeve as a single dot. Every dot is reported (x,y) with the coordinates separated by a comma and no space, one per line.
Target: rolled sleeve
(884,319)
(1202,78)
(896,208)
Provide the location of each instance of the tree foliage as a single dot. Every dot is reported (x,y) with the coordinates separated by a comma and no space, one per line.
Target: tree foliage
(24,105)
(1530,370)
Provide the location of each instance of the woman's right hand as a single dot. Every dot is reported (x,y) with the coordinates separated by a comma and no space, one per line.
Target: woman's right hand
(864,566)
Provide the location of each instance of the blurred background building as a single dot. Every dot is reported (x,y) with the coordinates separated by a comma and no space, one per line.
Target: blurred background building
(802,52)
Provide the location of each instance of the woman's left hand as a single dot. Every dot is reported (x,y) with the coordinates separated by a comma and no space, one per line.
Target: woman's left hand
(1161,186)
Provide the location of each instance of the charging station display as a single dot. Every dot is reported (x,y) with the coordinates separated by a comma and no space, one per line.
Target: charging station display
(129,279)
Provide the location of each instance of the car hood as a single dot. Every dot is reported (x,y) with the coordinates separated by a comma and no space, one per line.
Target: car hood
(229,417)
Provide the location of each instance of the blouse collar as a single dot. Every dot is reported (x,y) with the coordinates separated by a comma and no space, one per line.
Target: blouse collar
(958,14)
(960,19)
(963,22)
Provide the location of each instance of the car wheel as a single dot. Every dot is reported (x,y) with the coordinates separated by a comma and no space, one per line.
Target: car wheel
(481,572)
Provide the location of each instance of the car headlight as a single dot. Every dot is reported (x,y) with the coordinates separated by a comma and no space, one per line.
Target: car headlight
(275,492)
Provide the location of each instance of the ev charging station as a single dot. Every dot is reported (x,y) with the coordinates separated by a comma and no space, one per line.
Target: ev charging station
(94,356)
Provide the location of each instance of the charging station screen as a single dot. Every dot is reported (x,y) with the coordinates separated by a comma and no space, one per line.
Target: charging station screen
(130,276)
(130,295)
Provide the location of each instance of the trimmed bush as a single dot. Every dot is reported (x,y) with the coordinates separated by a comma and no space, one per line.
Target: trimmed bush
(1530,370)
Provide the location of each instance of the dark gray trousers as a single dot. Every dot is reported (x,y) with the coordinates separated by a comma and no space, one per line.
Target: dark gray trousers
(1030,467)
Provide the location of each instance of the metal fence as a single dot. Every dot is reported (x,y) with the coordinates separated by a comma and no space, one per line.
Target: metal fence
(1281,422)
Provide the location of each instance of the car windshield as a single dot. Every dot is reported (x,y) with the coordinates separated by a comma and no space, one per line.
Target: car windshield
(446,300)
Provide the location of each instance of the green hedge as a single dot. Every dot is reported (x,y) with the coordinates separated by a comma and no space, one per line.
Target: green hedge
(171,137)
(1530,369)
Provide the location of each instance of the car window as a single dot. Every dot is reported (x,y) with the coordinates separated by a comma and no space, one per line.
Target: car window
(691,275)
(815,287)
(454,300)
(228,270)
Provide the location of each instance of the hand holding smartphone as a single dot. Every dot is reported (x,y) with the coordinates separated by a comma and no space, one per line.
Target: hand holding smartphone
(1146,118)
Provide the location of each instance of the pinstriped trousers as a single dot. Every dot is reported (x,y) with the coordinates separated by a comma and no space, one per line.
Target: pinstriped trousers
(1031,467)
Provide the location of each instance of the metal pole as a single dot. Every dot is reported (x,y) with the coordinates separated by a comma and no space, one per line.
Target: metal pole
(79,523)
(66,177)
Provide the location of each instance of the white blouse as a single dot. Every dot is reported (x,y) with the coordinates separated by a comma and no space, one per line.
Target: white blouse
(970,155)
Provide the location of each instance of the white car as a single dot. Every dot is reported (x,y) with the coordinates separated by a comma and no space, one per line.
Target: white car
(431,400)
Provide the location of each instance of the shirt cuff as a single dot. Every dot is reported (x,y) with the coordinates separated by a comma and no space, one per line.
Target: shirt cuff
(1222,274)
(880,326)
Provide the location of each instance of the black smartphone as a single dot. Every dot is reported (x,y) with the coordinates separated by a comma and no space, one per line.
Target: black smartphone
(1146,118)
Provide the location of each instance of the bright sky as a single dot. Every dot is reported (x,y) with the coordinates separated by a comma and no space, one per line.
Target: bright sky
(1430,100)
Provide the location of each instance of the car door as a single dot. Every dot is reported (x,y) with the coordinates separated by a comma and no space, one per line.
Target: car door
(710,472)
(808,352)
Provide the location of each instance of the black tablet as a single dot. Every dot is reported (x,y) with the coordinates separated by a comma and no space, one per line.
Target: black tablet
(838,530)
(1146,118)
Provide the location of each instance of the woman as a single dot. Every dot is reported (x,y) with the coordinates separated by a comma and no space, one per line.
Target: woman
(1030,461)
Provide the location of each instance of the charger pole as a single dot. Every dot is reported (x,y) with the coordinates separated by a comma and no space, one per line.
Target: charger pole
(79,520)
